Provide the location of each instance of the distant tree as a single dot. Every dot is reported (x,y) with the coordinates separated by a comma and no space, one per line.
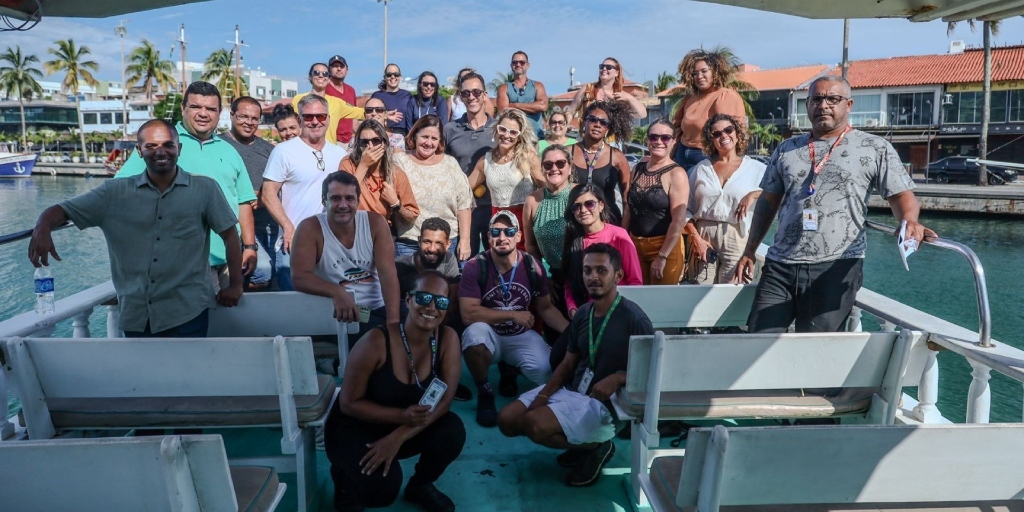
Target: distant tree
(146,65)
(639,135)
(665,81)
(69,58)
(219,69)
(169,108)
(19,77)
(988,28)
(501,79)
(765,135)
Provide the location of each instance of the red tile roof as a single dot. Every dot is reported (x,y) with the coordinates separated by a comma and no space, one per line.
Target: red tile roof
(770,79)
(966,67)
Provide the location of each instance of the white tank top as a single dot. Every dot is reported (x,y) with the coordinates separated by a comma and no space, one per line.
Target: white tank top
(507,185)
(458,108)
(353,268)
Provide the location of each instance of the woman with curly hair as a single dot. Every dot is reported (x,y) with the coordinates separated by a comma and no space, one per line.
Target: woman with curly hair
(723,190)
(383,187)
(596,160)
(608,87)
(705,76)
(427,101)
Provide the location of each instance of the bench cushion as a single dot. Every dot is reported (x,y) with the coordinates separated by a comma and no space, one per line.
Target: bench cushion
(783,403)
(100,413)
(255,487)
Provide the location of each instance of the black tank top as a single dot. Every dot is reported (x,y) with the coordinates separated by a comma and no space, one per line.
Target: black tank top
(649,207)
(606,178)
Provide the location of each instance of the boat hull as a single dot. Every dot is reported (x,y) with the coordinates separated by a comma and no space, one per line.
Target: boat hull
(17,166)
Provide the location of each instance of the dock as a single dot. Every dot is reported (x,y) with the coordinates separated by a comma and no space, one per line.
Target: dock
(995,199)
(69,169)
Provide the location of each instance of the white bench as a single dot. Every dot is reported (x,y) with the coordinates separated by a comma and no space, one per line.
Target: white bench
(109,384)
(758,376)
(879,467)
(720,305)
(155,474)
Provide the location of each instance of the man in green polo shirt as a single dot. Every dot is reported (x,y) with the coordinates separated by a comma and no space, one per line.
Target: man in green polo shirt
(155,225)
(203,153)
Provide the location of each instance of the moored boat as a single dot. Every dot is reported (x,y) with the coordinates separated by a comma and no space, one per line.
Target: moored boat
(15,165)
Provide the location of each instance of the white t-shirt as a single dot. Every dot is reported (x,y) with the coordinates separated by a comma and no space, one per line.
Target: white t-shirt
(708,199)
(295,165)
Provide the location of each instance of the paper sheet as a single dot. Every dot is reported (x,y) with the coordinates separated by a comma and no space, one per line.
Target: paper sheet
(907,246)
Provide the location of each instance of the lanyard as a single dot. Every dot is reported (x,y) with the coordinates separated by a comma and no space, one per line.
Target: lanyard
(506,287)
(595,344)
(816,168)
(412,364)
(590,163)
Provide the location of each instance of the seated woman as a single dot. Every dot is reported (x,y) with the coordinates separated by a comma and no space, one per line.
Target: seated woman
(377,418)
(383,187)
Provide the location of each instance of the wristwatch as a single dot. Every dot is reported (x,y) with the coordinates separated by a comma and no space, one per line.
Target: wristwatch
(396,206)
(250,247)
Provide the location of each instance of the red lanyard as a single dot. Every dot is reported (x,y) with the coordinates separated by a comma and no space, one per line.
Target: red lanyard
(816,168)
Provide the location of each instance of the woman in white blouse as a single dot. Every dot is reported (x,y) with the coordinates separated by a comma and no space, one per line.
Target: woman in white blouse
(723,190)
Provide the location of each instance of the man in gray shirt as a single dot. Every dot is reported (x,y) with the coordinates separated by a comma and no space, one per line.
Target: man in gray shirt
(819,184)
(468,139)
(156,228)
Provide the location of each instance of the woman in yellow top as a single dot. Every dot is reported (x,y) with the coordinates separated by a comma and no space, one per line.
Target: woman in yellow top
(705,76)
(608,87)
(337,109)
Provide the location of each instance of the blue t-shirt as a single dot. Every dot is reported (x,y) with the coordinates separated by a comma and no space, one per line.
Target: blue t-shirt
(398,100)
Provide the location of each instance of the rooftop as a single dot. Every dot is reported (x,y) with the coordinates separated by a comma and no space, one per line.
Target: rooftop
(949,68)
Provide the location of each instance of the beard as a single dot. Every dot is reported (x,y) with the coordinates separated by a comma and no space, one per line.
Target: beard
(504,252)
(431,265)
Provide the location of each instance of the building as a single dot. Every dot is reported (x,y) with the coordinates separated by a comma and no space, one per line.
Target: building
(264,87)
(562,102)
(39,115)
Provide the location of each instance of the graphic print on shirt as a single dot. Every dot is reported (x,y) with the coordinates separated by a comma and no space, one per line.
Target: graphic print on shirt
(353,272)
(518,300)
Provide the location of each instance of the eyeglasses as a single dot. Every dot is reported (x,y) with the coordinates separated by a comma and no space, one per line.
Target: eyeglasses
(728,130)
(551,164)
(375,110)
(310,117)
(663,138)
(556,123)
(519,63)
(376,141)
(466,93)
(509,132)
(509,232)
(392,75)
(424,299)
(606,67)
(429,84)
(246,119)
(589,204)
(323,74)
(831,100)
(319,159)
(699,72)
(599,120)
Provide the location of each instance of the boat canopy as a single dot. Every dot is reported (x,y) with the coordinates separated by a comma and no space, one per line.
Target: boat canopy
(36,9)
(914,10)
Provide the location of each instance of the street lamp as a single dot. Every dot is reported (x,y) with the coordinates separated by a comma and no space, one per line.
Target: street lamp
(121,31)
(385,2)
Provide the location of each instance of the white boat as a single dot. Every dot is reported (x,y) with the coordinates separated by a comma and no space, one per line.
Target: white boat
(17,165)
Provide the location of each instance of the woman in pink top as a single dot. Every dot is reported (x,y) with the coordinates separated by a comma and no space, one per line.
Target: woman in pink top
(587,223)
(705,75)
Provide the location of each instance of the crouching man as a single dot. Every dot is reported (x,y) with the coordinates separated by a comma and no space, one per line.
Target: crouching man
(571,412)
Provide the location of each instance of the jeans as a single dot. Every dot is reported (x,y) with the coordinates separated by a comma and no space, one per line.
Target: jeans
(283,268)
(405,247)
(195,328)
(688,157)
(266,234)
(481,222)
(264,267)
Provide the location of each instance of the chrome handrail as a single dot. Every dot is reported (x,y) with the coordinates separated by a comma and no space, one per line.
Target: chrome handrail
(21,235)
(980,287)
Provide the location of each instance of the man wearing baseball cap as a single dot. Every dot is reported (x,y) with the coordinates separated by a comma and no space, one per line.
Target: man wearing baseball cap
(339,89)
(495,294)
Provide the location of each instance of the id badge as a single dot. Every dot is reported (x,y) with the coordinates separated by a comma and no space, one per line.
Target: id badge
(810,218)
(588,375)
(433,393)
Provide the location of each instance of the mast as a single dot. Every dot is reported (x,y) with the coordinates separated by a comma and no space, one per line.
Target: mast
(181,41)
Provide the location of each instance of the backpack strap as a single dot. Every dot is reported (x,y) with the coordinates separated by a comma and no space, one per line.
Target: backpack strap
(532,273)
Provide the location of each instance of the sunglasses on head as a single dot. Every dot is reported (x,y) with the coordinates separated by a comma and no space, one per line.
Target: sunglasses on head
(728,130)
(509,232)
(376,141)
(392,75)
(607,67)
(424,299)
(511,132)
(466,93)
(323,74)
(589,204)
(310,117)
(374,110)
(599,120)
(663,138)
(551,164)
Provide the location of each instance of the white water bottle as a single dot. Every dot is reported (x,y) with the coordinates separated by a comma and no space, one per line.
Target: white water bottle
(44,290)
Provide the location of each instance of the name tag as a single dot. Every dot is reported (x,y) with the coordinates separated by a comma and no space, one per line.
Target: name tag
(810,220)
(588,376)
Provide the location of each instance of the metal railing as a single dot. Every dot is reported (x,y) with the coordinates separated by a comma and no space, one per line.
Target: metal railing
(26,234)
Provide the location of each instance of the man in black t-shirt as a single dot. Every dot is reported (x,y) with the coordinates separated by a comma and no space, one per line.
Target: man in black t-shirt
(571,412)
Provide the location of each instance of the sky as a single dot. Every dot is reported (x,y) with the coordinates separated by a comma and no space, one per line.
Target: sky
(285,37)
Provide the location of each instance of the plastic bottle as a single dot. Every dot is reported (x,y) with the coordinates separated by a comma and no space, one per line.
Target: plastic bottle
(44,290)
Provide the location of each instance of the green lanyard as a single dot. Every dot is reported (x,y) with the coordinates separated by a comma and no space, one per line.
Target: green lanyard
(594,345)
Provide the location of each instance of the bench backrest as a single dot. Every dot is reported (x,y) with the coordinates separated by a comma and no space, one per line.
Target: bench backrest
(157,474)
(276,314)
(851,464)
(693,305)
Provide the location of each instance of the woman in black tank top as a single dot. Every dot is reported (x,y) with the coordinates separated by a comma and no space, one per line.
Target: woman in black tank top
(378,419)
(595,160)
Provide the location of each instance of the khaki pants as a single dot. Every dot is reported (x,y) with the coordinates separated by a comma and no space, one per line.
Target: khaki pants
(725,239)
(647,249)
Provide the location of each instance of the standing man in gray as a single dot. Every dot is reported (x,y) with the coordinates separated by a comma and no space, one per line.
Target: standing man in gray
(818,184)
(525,94)
(155,225)
(468,139)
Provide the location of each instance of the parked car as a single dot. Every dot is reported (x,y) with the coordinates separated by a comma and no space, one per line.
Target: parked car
(957,168)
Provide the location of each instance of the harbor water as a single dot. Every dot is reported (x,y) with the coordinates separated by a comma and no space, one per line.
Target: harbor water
(939,282)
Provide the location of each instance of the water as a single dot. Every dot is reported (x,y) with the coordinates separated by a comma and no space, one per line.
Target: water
(939,282)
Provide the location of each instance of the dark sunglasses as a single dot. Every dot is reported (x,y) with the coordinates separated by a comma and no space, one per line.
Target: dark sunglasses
(377,110)
(376,141)
(392,75)
(728,130)
(429,84)
(589,204)
(310,117)
(607,67)
(519,62)
(509,232)
(424,299)
(556,123)
(476,93)
(599,120)
(654,137)
(323,74)
(551,164)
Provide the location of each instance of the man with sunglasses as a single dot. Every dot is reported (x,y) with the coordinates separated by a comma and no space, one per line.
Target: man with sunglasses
(525,94)
(819,184)
(319,78)
(337,88)
(296,169)
(500,324)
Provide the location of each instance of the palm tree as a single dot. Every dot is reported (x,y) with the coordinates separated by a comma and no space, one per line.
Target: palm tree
(146,65)
(68,58)
(988,28)
(500,79)
(664,81)
(219,69)
(765,135)
(18,77)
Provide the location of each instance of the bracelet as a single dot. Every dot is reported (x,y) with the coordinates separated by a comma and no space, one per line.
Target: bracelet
(396,206)
(662,256)
(540,395)
(250,247)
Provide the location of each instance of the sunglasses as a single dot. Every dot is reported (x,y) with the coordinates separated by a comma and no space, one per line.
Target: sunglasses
(429,84)
(310,117)
(728,130)
(607,67)
(375,110)
(376,141)
(392,75)
(519,63)
(556,123)
(476,93)
(599,120)
(551,164)
(663,138)
(322,74)
(319,155)
(589,204)
(509,232)
(509,132)
(424,299)
(831,100)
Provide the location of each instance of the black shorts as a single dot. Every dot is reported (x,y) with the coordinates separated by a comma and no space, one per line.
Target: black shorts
(818,296)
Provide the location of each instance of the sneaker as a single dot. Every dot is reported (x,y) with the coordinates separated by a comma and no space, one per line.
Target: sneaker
(589,467)
(508,386)
(571,457)
(431,499)
(463,394)
(486,413)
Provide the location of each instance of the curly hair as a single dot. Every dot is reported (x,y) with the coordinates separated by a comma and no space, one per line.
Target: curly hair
(525,144)
(620,117)
(386,165)
(707,140)
(572,245)
(715,59)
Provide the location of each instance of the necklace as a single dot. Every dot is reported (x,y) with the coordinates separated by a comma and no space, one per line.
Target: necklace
(373,183)
(591,162)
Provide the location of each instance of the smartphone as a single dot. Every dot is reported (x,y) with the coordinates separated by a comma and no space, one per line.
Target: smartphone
(364,311)
(433,394)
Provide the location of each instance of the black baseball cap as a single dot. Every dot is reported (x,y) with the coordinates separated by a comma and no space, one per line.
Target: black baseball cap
(337,58)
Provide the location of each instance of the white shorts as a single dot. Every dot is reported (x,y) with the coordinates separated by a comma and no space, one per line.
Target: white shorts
(526,351)
(583,419)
